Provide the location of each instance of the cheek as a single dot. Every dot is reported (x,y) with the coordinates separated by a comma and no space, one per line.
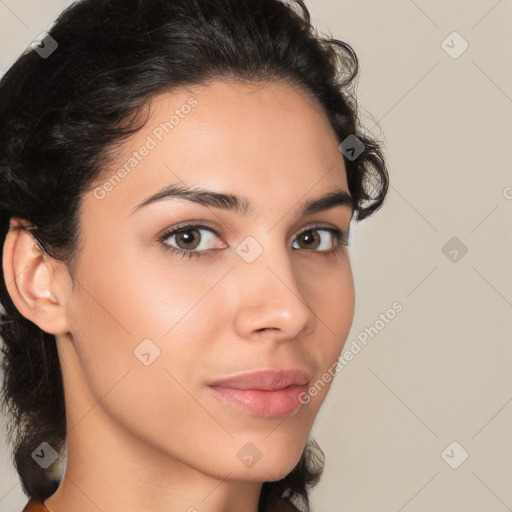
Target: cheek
(339,305)
(331,295)
(333,301)
(139,340)
(147,320)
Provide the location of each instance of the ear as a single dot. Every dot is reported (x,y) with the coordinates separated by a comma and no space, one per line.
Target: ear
(31,280)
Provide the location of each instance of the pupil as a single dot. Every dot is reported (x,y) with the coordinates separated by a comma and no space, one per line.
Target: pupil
(309,238)
(186,238)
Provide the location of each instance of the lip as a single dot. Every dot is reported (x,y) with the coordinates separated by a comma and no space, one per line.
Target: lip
(267,379)
(268,393)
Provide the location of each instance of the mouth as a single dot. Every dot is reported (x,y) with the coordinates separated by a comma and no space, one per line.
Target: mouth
(268,393)
(267,404)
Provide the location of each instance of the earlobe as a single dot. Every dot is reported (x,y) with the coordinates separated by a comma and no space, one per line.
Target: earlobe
(29,278)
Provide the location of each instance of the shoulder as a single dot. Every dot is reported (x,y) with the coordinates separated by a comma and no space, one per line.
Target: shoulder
(35,506)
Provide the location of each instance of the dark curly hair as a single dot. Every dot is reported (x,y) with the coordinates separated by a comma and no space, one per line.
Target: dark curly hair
(62,117)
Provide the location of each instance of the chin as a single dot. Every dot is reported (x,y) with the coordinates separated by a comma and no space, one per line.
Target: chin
(275,465)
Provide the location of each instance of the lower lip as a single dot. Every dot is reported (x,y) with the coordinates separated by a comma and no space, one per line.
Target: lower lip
(267,404)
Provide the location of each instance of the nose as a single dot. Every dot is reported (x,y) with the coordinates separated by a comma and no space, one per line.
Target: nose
(270,302)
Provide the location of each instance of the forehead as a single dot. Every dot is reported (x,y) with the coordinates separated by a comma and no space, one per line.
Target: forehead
(270,140)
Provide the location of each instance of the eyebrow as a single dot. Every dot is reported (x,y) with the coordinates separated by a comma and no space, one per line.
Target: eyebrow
(240,204)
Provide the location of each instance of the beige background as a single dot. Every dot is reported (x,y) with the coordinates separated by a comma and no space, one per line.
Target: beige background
(438,372)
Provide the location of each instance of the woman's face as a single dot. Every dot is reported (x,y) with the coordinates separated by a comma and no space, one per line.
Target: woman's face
(150,330)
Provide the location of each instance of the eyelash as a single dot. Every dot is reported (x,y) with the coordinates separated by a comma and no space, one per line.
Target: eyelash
(341,239)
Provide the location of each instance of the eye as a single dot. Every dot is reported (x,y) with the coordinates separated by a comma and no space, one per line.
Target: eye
(328,244)
(189,241)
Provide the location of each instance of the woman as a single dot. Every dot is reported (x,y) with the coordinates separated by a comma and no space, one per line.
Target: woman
(149,130)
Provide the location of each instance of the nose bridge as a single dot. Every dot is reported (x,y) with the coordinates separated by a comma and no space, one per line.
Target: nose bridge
(270,296)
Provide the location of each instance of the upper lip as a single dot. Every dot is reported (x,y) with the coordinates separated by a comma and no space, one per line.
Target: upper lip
(269,379)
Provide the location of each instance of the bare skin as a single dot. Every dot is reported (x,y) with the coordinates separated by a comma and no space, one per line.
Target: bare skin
(154,437)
